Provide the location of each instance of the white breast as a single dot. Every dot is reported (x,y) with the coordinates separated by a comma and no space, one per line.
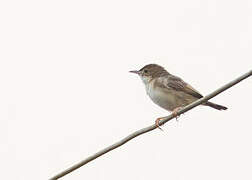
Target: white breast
(164,98)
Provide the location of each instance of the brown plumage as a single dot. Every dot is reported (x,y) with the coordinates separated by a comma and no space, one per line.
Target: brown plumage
(169,91)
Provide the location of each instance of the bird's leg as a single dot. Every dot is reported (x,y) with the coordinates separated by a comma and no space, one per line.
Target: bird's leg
(157,123)
(175,112)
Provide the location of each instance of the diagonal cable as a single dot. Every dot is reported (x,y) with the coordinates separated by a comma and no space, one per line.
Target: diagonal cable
(152,127)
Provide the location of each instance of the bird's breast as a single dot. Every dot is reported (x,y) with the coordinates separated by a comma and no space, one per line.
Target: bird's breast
(163,97)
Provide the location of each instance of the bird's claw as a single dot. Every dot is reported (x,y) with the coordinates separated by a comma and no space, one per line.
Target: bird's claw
(175,113)
(157,123)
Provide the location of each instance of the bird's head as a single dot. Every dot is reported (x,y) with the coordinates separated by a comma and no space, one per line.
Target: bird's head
(150,71)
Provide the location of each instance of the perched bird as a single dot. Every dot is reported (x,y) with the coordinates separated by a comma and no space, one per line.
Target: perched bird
(168,91)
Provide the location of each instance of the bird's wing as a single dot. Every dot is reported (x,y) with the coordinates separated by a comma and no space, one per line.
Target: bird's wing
(178,84)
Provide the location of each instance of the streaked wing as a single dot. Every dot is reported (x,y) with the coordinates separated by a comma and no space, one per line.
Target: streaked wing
(179,85)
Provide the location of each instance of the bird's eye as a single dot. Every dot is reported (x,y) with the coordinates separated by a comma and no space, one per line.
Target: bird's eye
(145,71)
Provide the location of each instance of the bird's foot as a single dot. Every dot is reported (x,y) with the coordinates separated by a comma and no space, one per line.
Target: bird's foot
(157,123)
(175,112)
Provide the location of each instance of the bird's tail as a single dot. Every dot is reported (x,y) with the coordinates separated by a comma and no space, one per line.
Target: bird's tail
(215,106)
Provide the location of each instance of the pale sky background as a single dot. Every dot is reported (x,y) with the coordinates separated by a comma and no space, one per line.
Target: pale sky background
(66,92)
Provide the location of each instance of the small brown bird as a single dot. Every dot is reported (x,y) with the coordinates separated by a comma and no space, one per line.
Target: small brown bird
(168,91)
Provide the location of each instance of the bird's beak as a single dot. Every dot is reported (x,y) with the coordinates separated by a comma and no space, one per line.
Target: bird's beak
(136,72)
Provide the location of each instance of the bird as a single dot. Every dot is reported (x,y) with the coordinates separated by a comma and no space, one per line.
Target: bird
(169,91)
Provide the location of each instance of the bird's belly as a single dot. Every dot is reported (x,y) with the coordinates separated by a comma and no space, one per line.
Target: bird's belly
(169,99)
